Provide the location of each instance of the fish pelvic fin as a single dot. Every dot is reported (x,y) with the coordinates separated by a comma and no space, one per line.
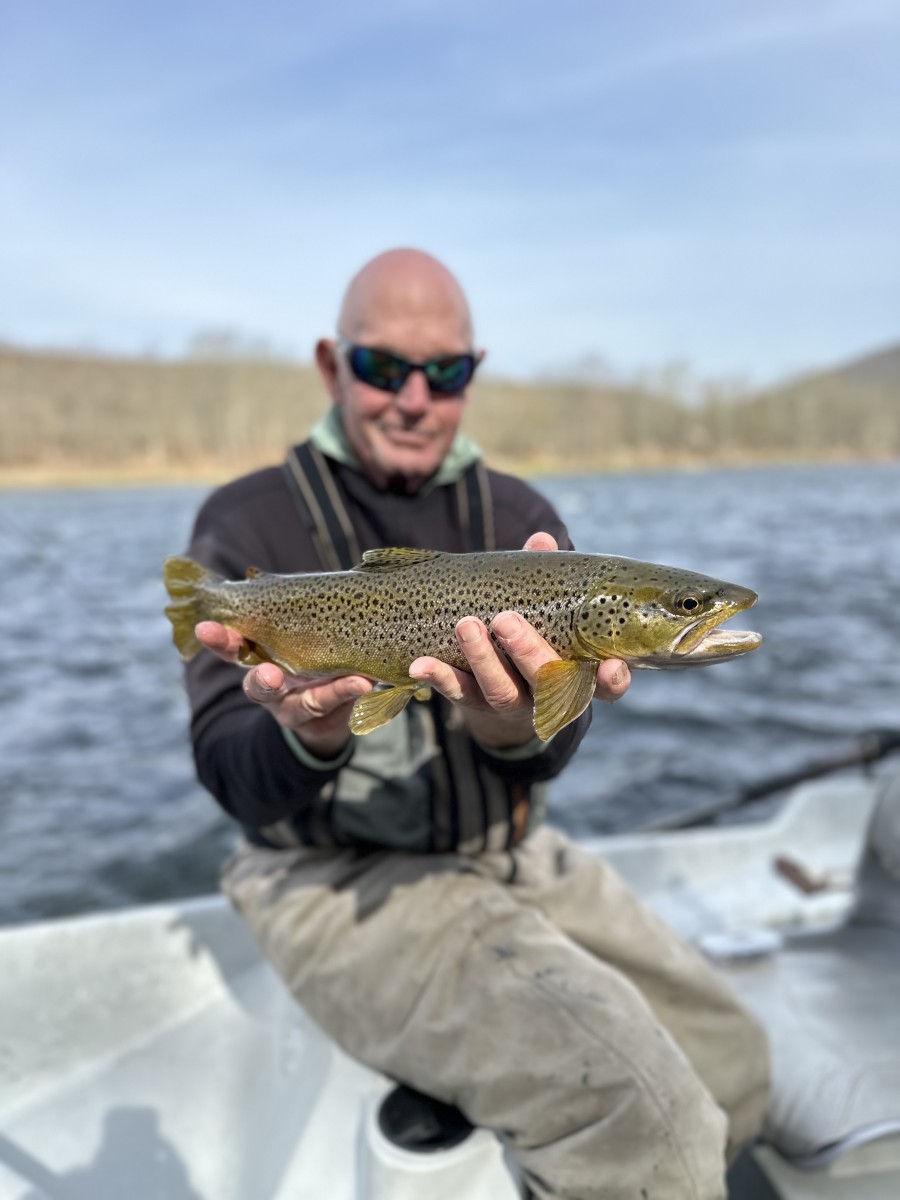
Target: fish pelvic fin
(562,691)
(185,582)
(377,708)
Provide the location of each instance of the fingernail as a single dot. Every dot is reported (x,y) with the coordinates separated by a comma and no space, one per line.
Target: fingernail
(506,626)
(468,632)
(265,683)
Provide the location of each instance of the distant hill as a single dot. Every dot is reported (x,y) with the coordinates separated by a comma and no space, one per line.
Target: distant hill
(877,368)
(880,368)
(851,410)
(68,415)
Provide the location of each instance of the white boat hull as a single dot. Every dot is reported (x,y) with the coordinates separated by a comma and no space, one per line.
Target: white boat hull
(153,1053)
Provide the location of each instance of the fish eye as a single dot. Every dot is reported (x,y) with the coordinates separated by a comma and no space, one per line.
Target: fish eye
(689,603)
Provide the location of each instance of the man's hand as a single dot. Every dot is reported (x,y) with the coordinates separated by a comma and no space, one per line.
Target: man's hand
(316,710)
(496,699)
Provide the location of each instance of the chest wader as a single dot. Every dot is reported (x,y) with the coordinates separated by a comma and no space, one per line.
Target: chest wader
(411,1120)
(472,810)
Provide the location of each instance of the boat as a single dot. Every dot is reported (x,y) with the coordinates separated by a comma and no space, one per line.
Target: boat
(152,1052)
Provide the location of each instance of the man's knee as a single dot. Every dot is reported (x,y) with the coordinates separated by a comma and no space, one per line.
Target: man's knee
(748,1096)
(653,1144)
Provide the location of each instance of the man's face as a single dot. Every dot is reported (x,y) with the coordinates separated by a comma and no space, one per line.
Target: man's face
(400,438)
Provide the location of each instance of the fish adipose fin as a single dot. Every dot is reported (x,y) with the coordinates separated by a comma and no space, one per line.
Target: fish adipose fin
(562,691)
(377,708)
(185,581)
(394,558)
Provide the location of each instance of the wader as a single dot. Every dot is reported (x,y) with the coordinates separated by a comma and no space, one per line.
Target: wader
(522,982)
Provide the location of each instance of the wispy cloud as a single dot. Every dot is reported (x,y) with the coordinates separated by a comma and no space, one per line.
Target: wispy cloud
(708,180)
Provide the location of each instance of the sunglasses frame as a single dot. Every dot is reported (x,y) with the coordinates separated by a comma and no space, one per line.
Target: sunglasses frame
(408,366)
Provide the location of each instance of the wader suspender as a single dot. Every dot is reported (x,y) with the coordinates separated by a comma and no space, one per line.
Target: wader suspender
(476,507)
(324,514)
(321,508)
(454,771)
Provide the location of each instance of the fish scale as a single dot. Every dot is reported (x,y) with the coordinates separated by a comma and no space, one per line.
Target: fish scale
(400,604)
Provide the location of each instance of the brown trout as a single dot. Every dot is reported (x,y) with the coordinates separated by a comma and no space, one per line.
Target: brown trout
(398,604)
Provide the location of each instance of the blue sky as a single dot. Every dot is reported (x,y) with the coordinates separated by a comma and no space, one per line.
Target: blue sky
(698,180)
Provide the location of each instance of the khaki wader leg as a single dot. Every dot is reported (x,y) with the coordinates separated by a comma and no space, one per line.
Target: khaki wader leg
(723,1041)
(440,973)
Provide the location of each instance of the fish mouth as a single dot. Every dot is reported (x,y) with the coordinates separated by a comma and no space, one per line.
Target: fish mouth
(706,640)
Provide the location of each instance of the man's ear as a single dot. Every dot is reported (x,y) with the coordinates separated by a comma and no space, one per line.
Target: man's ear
(326,361)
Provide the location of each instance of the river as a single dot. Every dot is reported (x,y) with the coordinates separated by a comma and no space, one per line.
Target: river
(98,804)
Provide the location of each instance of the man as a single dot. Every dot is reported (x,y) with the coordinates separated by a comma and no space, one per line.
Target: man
(401,883)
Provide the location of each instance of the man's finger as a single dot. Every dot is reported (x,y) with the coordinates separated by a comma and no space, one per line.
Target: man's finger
(613,679)
(541,541)
(220,639)
(455,685)
(522,642)
(265,684)
(320,699)
(497,678)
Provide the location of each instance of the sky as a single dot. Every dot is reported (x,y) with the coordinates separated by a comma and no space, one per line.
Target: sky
(617,186)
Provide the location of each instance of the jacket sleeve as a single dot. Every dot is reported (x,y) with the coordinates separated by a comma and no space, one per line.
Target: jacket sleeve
(242,755)
(538,762)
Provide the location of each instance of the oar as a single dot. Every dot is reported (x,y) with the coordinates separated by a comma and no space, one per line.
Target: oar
(867,748)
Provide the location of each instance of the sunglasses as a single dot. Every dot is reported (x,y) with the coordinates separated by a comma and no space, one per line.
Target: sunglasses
(447,374)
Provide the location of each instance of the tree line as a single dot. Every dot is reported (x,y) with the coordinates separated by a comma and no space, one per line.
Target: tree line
(70,413)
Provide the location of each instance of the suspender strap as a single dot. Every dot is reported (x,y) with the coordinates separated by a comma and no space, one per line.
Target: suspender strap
(321,508)
(476,507)
(459,783)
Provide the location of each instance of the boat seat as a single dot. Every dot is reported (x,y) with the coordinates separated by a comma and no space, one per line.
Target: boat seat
(831,1005)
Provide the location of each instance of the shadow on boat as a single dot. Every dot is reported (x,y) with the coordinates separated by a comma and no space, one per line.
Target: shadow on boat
(132,1148)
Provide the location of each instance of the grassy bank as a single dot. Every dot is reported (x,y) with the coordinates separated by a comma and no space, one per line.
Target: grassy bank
(89,420)
(64,475)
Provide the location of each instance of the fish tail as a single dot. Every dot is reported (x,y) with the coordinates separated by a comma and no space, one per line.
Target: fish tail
(187,584)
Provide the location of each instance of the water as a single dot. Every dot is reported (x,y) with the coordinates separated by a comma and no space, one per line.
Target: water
(98,805)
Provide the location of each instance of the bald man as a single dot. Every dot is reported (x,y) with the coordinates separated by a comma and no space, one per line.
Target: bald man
(402,883)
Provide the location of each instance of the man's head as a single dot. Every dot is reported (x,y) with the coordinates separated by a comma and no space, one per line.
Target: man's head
(405,302)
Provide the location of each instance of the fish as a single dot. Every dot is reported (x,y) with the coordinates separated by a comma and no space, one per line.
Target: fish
(400,603)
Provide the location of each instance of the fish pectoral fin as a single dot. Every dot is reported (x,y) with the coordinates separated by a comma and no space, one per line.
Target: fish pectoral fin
(377,708)
(562,691)
(394,558)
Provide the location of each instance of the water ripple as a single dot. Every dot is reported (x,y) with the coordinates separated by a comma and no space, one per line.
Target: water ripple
(99,807)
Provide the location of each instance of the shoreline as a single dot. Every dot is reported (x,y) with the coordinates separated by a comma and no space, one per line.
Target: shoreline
(75,476)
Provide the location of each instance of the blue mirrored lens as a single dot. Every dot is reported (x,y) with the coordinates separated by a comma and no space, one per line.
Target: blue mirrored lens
(389,372)
(449,375)
(379,369)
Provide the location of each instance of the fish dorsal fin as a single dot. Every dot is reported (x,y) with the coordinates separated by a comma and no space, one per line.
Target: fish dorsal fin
(394,558)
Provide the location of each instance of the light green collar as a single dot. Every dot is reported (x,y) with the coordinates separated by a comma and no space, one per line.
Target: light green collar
(328,436)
